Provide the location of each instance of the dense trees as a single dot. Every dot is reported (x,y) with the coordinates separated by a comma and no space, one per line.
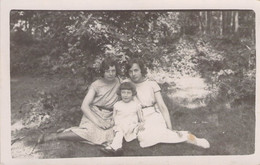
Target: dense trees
(219,45)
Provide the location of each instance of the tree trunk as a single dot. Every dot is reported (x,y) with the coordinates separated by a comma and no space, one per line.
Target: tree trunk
(221,23)
(226,22)
(206,20)
(236,23)
(209,15)
(229,22)
(232,26)
(200,22)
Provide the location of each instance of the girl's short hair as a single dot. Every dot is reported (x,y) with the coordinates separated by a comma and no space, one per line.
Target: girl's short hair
(139,62)
(126,86)
(106,63)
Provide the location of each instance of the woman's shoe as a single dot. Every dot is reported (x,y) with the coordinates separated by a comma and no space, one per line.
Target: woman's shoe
(109,150)
(201,142)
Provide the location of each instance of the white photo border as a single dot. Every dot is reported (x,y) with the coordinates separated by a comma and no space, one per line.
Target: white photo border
(8,5)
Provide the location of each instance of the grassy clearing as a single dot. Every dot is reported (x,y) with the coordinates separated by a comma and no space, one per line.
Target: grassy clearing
(229,130)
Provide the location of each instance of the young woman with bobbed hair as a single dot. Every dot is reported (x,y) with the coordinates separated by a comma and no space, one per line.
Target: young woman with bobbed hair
(157,122)
(97,107)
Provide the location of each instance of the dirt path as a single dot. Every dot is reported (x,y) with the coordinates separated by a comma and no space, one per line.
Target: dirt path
(191,92)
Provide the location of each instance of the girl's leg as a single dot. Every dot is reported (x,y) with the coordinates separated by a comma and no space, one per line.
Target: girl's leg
(117,141)
(115,148)
(69,135)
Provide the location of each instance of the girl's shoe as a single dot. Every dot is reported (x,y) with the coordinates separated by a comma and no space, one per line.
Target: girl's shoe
(109,150)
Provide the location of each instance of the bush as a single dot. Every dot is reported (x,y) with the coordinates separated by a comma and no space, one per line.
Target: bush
(232,74)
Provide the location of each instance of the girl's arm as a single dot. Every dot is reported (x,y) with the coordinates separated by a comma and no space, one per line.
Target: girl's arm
(163,108)
(85,107)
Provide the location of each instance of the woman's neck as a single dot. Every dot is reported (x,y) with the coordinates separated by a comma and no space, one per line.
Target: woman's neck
(108,81)
(141,80)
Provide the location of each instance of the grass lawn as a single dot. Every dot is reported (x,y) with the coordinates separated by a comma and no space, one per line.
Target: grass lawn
(230,131)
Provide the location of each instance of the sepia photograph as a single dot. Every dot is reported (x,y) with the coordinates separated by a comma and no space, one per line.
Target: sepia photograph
(199,65)
(142,83)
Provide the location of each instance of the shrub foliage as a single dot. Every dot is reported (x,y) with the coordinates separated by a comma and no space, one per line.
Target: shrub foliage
(216,45)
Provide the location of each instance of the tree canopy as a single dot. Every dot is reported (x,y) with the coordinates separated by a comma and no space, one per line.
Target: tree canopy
(218,45)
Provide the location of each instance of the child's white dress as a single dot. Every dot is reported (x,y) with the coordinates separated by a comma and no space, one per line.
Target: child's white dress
(126,119)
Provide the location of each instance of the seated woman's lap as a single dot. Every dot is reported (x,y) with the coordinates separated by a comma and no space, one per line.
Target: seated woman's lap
(156,131)
(91,132)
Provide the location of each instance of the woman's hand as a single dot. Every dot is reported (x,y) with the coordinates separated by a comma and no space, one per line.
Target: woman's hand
(105,124)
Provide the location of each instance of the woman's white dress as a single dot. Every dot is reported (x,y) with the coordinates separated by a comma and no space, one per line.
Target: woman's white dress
(102,108)
(155,129)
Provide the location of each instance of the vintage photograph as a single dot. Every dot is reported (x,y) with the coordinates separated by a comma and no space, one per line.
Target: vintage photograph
(132,83)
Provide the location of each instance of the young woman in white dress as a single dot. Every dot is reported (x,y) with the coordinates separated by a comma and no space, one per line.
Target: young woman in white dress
(157,122)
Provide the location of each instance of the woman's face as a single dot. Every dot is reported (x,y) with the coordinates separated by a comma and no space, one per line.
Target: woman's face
(110,73)
(135,73)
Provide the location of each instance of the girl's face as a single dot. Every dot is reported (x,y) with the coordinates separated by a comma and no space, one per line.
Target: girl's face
(127,95)
(135,73)
(110,73)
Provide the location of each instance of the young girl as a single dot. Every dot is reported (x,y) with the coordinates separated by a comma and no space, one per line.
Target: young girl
(127,114)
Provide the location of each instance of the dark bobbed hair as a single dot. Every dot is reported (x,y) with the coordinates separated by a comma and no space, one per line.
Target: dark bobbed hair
(137,61)
(126,86)
(106,63)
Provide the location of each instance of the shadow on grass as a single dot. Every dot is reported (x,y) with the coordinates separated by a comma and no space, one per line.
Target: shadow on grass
(230,131)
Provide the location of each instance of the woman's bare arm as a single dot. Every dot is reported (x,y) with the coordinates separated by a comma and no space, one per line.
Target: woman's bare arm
(163,108)
(140,115)
(141,119)
(85,107)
